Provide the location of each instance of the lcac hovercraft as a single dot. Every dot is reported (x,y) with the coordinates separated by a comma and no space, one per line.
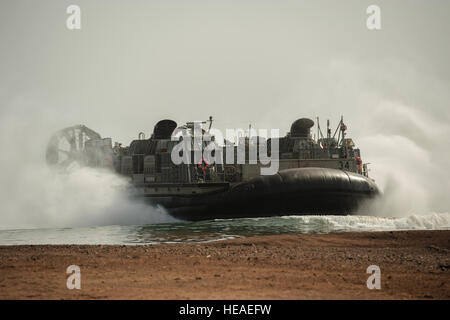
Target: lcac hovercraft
(315,176)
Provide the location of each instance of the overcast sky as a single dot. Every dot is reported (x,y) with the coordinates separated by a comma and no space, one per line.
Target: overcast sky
(261,62)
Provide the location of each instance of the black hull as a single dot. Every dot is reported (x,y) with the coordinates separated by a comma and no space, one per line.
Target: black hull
(289,192)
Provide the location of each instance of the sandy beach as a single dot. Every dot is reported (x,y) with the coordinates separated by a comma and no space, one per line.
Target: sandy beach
(414,265)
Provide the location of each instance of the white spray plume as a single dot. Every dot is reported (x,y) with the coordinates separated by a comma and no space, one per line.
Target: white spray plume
(34,196)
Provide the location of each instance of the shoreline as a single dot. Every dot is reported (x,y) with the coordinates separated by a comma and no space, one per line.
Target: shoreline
(414,265)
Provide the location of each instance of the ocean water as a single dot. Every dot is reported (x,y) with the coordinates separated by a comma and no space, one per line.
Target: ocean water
(221,229)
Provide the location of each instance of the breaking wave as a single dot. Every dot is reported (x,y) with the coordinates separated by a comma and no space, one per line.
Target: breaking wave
(433,221)
(222,229)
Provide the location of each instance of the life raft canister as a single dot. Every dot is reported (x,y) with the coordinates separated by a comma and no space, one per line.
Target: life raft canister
(358,164)
(203,167)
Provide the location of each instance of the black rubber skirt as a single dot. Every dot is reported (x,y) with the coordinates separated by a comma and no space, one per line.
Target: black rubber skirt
(300,191)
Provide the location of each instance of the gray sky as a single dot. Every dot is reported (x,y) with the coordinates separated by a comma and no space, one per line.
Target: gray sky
(265,62)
